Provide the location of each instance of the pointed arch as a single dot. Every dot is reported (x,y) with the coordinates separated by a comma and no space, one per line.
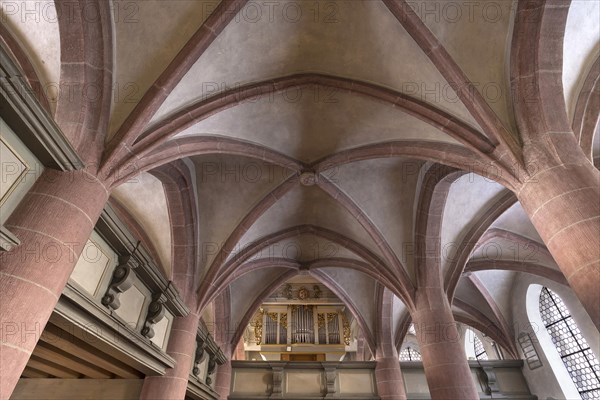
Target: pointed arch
(500,320)
(473,239)
(168,79)
(148,141)
(517,266)
(402,329)
(384,324)
(215,288)
(375,266)
(449,69)
(347,299)
(188,146)
(448,154)
(181,203)
(407,286)
(587,110)
(83,107)
(536,66)
(479,321)
(241,228)
(428,223)
(439,119)
(275,284)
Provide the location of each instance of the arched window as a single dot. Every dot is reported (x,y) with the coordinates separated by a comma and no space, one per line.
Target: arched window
(409,350)
(480,352)
(409,354)
(474,346)
(580,362)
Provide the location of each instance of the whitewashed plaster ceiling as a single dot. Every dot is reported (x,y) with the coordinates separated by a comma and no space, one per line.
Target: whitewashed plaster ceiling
(259,186)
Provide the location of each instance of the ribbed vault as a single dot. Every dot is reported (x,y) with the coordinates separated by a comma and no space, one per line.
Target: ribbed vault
(365,143)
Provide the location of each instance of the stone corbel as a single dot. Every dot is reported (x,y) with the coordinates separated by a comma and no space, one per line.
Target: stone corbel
(277,392)
(198,357)
(330,377)
(212,366)
(156,312)
(117,235)
(122,279)
(208,348)
(490,383)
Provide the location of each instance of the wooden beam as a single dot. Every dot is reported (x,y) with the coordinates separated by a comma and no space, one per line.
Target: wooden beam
(29,372)
(51,353)
(52,369)
(63,340)
(78,389)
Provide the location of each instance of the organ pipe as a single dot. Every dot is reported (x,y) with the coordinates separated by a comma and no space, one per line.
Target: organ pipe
(303,324)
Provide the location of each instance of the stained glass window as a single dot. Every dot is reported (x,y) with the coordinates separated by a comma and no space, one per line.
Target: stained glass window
(574,350)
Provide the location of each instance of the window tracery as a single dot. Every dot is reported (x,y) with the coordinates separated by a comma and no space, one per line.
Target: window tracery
(576,355)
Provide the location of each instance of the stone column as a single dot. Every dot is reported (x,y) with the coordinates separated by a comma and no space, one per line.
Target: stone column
(563,202)
(53,222)
(444,359)
(240,353)
(223,379)
(561,189)
(390,383)
(182,347)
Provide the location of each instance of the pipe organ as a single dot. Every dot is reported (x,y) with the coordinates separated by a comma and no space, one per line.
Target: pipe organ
(329,328)
(300,321)
(303,328)
(302,324)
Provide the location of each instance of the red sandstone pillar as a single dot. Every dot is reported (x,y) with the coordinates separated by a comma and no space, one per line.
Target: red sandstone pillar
(53,222)
(444,359)
(240,353)
(390,383)
(563,202)
(182,347)
(223,382)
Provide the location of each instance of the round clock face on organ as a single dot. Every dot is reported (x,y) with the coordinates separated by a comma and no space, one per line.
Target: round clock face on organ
(303,293)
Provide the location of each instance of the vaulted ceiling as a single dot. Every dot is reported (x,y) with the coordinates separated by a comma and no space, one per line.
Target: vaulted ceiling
(326,138)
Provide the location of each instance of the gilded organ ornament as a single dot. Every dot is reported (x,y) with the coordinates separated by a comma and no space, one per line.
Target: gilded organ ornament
(347,330)
(283,320)
(303,293)
(316,292)
(258,326)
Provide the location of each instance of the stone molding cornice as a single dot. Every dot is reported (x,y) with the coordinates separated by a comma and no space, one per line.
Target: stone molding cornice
(32,123)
